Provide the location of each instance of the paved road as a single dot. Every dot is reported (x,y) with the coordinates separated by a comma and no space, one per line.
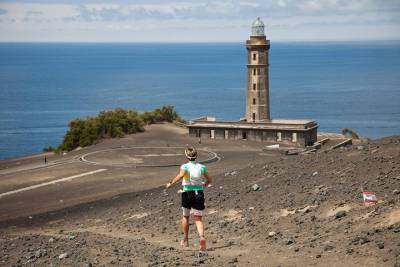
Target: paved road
(29,187)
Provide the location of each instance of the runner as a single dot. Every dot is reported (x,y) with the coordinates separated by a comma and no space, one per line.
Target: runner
(193,195)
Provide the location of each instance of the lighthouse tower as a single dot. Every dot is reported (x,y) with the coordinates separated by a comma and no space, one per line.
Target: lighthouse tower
(257,102)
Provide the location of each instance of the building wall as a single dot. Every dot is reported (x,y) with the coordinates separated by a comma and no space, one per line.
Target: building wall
(287,137)
(257,99)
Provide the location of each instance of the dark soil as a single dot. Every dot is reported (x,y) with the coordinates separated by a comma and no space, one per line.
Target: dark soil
(306,210)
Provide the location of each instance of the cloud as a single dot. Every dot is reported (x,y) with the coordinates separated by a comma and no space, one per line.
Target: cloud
(207,19)
(3,11)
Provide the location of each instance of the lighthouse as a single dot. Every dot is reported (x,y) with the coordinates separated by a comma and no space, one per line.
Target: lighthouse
(257,124)
(257,100)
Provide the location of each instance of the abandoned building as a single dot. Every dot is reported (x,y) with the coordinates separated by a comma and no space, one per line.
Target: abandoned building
(257,125)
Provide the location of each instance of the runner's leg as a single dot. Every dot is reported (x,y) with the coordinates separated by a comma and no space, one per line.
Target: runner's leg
(185,229)
(200,230)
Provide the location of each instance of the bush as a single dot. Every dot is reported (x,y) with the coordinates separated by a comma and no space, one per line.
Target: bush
(112,124)
(48,149)
(350,133)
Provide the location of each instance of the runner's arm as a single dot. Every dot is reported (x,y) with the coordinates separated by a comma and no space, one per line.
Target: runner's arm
(176,179)
(208,179)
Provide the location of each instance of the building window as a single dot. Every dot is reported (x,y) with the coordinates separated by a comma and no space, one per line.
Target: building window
(254,72)
(198,133)
(279,136)
(244,135)
(254,101)
(212,134)
(226,134)
(259,71)
(294,137)
(254,117)
(254,56)
(254,86)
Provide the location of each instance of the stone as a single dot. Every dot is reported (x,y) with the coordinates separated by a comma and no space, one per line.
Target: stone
(29,256)
(51,240)
(255,187)
(40,253)
(340,214)
(271,234)
(328,247)
(381,245)
(396,192)
(63,256)
(234,260)
(315,174)
(289,241)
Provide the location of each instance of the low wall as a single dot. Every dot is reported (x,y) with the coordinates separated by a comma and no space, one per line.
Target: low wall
(282,136)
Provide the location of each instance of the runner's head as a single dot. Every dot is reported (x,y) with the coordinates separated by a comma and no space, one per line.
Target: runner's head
(191,153)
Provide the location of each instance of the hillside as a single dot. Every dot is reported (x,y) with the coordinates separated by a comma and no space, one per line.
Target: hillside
(303,210)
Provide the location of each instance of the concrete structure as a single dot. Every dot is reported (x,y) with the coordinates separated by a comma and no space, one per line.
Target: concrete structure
(257,125)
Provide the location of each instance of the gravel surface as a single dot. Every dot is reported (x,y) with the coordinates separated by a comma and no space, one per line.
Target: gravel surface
(302,210)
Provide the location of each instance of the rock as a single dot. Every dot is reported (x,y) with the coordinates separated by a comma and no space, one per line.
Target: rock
(364,240)
(396,192)
(340,214)
(255,187)
(234,260)
(234,173)
(51,240)
(381,245)
(328,247)
(40,253)
(251,208)
(271,234)
(63,256)
(71,237)
(29,256)
(289,241)
(306,209)
(318,256)
(360,240)
(315,174)
(349,251)
(360,147)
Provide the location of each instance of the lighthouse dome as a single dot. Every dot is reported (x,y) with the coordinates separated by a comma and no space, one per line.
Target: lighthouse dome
(257,28)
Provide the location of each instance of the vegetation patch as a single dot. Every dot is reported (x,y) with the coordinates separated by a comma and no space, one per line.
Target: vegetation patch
(111,124)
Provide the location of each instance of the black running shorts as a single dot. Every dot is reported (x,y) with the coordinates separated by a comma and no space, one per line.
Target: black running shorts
(193,200)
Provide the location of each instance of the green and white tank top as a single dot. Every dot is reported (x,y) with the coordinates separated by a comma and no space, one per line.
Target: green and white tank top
(193,178)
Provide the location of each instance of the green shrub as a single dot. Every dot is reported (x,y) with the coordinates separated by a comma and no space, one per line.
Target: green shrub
(48,149)
(350,133)
(112,124)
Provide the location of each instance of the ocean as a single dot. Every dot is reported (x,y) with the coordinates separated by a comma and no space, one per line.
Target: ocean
(339,84)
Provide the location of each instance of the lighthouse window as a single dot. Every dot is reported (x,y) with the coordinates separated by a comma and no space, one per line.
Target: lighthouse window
(254,72)
(254,56)
(254,101)
(259,71)
(254,117)
(254,86)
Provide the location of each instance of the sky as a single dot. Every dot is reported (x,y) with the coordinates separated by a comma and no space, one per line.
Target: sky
(197,20)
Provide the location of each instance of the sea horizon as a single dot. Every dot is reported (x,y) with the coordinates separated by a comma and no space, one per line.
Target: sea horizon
(44,85)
